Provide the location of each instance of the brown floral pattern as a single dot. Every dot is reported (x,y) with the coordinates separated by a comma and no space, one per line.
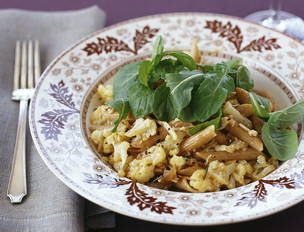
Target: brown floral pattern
(259,193)
(112,44)
(135,195)
(234,35)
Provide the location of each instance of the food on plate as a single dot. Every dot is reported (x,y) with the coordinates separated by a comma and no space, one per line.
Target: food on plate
(173,122)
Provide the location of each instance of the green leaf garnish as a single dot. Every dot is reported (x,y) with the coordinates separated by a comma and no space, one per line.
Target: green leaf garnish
(242,79)
(122,107)
(287,117)
(216,122)
(260,105)
(163,104)
(140,100)
(144,71)
(281,144)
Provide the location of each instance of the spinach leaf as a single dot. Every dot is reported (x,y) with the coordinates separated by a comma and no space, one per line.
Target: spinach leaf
(281,144)
(158,46)
(181,86)
(163,104)
(206,67)
(288,116)
(182,57)
(140,100)
(206,100)
(216,122)
(122,107)
(260,105)
(144,72)
(124,78)
(242,79)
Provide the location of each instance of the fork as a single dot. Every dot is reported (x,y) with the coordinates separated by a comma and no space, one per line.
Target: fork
(26,74)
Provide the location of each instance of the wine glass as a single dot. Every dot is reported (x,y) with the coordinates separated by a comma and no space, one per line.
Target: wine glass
(280,20)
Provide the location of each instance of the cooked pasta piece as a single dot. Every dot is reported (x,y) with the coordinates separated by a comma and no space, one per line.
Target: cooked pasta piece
(199,139)
(242,96)
(249,154)
(233,113)
(245,109)
(242,134)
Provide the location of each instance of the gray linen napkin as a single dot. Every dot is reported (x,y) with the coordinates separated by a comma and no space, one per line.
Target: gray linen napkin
(50,205)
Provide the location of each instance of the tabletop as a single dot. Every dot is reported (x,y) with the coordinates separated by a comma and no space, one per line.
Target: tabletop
(292,219)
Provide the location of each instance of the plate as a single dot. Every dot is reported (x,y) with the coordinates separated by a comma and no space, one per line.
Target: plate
(56,121)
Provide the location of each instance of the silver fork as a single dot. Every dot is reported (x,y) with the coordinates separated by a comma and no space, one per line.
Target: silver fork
(27,72)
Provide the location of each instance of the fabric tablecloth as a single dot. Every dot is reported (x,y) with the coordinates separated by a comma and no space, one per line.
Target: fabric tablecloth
(50,205)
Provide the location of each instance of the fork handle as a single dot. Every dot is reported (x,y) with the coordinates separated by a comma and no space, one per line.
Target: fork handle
(17,183)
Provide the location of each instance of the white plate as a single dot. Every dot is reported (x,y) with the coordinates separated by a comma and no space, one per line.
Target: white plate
(277,64)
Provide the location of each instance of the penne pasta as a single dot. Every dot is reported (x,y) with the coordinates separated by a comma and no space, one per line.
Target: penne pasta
(195,51)
(242,134)
(257,123)
(245,109)
(199,139)
(236,115)
(242,96)
(249,154)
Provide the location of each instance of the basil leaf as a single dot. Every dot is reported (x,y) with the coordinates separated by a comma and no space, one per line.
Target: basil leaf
(281,144)
(260,105)
(181,86)
(144,71)
(206,100)
(163,104)
(158,46)
(216,122)
(140,100)
(242,79)
(182,57)
(286,117)
(122,107)
(124,78)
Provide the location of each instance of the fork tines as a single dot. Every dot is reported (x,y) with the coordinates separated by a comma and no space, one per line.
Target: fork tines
(27,64)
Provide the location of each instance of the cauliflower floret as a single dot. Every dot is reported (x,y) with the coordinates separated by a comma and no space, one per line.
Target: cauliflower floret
(220,172)
(103,115)
(177,161)
(111,140)
(171,145)
(239,173)
(97,136)
(105,93)
(170,130)
(237,144)
(120,157)
(142,129)
(199,182)
(142,169)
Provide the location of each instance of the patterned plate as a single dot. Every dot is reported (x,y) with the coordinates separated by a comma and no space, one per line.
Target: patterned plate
(277,64)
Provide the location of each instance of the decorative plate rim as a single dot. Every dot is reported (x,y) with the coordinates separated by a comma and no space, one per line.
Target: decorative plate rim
(91,197)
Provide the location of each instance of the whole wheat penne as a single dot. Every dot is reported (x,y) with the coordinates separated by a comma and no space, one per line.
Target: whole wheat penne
(249,154)
(221,138)
(195,51)
(242,134)
(242,96)
(236,115)
(199,139)
(187,171)
(234,101)
(245,109)
(257,123)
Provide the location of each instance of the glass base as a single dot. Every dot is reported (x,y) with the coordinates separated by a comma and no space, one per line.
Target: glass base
(281,21)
